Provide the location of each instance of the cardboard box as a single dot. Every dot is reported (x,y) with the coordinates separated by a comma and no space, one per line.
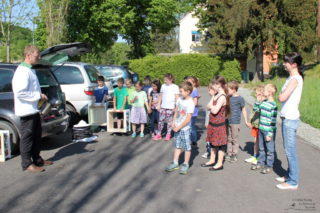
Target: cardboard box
(126,121)
(5,145)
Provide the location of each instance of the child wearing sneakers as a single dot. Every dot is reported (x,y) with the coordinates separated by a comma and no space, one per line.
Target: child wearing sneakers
(169,94)
(254,119)
(237,106)
(212,93)
(138,113)
(267,131)
(182,128)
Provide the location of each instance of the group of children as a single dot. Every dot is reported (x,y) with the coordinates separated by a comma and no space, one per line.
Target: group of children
(156,103)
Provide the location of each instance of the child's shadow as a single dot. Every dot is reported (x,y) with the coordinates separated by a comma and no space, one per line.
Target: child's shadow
(277,168)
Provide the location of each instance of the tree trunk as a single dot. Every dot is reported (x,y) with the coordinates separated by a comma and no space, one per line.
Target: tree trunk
(137,48)
(259,63)
(8,44)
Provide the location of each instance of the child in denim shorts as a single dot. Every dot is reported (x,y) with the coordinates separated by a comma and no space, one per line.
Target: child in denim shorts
(181,126)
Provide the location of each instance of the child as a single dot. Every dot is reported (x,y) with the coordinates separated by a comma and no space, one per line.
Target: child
(138,113)
(153,103)
(219,107)
(182,128)
(195,96)
(212,93)
(267,131)
(130,89)
(237,105)
(147,86)
(169,94)
(120,101)
(100,94)
(185,79)
(254,123)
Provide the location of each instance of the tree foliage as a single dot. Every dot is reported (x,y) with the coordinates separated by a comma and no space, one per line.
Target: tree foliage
(99,22)
(246,25)
(52,23)
(165,42)
(13,13)
(20,38)
(117,55)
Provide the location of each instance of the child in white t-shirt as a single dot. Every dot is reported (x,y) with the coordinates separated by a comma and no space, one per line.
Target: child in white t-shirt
(182,128)
(169,94)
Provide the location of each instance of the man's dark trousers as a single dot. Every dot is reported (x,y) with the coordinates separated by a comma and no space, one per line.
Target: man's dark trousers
(30,141)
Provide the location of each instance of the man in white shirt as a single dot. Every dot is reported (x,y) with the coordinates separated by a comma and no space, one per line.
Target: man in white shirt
(27,93)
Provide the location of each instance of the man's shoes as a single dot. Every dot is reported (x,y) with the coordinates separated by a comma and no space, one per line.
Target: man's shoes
(194,145)
(34,168)
(45,163)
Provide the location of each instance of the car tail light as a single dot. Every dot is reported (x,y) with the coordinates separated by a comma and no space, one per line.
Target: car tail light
(89,90)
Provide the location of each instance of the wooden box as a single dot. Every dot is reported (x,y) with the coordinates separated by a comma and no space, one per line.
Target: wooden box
(97,115)
(111,123)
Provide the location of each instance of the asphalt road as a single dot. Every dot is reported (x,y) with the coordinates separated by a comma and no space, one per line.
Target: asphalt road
(121,174)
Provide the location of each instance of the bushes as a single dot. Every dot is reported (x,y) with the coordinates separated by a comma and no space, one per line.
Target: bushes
(199,65)
(278,71)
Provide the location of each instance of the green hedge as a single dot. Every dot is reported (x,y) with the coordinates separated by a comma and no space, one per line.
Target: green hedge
(201,66)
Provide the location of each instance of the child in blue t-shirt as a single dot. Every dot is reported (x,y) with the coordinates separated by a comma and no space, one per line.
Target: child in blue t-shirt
(195,96)
(100,94)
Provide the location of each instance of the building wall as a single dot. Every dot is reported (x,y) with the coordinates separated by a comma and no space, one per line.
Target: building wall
(186,45)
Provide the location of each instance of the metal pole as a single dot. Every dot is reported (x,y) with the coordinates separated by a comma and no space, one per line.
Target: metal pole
(33,30)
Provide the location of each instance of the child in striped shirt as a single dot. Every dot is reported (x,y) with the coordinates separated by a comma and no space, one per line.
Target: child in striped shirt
(267,130)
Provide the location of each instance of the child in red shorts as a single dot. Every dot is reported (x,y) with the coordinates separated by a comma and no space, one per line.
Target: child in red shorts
(254,123)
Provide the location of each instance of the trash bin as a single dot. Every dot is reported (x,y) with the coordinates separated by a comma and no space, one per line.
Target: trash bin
(245,75)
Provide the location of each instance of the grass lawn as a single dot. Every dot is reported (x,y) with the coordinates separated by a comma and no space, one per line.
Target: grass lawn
(310,101)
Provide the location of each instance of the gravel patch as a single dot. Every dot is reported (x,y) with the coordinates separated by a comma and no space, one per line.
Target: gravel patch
(305,132)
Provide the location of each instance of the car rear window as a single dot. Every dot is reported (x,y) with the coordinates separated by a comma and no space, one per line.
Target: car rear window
(45,78)
(68,74)
(120,72)
(93,73)
(6,76)
(106,71)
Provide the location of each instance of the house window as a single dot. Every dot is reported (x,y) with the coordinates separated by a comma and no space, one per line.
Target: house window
(195,36)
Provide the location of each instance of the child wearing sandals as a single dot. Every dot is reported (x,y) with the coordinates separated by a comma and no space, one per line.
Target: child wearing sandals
(169,94)
(138,113)
(219,107)
(267,131)
(254,120)
(182,128)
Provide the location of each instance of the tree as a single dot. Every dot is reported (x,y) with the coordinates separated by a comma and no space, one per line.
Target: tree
(52,23)
(13,13)
(99,22)
(20,37)
(165,42)
(247,25)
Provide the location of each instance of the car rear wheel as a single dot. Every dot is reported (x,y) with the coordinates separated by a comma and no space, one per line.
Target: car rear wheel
(14,137)
(72,114)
